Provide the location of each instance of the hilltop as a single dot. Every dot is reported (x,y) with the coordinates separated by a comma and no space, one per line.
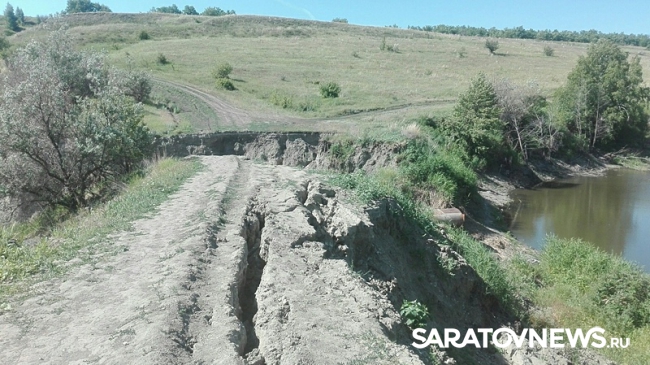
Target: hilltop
(278,64)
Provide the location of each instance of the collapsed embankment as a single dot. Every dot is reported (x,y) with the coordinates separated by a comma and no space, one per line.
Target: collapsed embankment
(300,149)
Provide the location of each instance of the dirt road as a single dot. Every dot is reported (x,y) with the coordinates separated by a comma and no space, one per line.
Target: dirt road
(231,270)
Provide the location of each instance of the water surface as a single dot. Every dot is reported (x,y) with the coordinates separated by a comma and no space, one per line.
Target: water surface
(611,211)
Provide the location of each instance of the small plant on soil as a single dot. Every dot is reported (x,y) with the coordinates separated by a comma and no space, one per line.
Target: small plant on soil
(414,313)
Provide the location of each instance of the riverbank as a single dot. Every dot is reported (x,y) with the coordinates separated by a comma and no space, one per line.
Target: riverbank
(570,283)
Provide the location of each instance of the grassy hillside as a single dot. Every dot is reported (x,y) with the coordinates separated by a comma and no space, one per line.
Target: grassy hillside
(279,63)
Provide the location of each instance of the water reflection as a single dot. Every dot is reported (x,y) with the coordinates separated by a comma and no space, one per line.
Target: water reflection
(612,212)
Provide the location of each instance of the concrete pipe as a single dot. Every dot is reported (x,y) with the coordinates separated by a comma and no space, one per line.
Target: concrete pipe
(450,215)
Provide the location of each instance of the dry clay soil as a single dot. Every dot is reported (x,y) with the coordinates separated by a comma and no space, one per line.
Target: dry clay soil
(240,266)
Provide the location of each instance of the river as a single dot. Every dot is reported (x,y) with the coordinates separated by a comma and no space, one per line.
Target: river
(611,211)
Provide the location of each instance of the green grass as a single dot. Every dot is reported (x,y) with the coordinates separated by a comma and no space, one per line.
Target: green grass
(580,286)
(41,248)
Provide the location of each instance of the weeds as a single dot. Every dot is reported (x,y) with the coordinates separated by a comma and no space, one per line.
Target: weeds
(414,314)
(161,59)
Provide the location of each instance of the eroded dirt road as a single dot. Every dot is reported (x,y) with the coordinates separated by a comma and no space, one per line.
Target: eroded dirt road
(241,266)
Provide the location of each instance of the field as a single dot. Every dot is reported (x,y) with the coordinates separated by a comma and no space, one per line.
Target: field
(280,63)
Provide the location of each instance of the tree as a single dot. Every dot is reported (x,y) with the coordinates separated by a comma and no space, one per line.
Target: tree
(20,16)
(603,100)
(12,21)
(173,9)
(475,126)
(189,10)
(213,11)
(491,45)
(84,6)
(222,71)
(66,124)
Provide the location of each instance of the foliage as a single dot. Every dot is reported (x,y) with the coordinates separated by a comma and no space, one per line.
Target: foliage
(603,101)
(215,11)
(528,127)
(66,124)
(20,16)
(330,90)
(492,45)
(222,71)
(443,171)
(84,6)
(225,83)
(143,35)
(388,47)
(486,265)
(11,19)
(136,84)
(549,51)
(190,10)
(340,20)
(476,126)
(173,9)
(282,100)
(610,290)
(585,36)
(161,59)
(414,314)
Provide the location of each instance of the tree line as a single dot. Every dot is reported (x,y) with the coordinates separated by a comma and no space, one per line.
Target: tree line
(190,10)
(602,107)
(585,36)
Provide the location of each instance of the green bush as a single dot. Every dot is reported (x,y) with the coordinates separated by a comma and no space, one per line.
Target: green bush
(281,100)
(549,51)
(414,314)
(444,171)
(492,45)
(143,36)
(330,90)
(340,20)
(225,84)
(222,71)
(161,59)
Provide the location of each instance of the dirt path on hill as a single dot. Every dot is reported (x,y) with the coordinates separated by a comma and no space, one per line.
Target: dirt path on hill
(235,268)
(233,118)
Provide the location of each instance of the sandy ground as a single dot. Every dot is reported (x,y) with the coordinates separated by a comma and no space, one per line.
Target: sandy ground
(232,269)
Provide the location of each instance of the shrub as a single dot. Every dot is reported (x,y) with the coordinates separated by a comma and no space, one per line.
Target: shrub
(225,84)
(143,36)
(492,45)
(414,314)
(162,59)
(66,125)
(222,71)
(549,51)
(330,90)
(387,47)
(340,20)
(136,84)
(281,100)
